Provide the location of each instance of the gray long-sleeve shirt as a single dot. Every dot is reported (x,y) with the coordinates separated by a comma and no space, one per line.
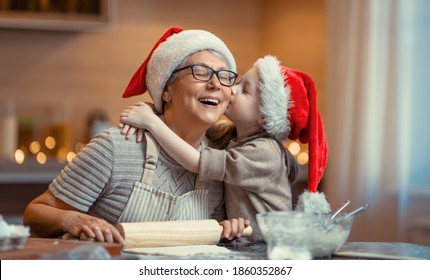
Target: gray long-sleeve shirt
(255,178)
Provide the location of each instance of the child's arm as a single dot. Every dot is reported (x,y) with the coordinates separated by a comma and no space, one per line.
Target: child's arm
(141,115)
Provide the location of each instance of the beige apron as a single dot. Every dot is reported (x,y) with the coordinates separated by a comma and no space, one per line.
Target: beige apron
(149,204)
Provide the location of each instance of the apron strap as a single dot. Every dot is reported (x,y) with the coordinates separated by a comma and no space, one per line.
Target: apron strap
(199,183)
(152,152)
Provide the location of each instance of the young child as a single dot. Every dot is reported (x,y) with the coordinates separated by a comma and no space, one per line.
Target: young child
(256,168)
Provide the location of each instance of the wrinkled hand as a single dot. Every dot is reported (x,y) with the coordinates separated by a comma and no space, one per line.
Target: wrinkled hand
(234,228)
(79,225)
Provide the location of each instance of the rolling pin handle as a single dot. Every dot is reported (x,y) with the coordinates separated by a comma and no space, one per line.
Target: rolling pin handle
(247,231)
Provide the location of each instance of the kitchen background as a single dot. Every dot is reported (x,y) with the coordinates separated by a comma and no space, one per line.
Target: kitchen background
(64,66)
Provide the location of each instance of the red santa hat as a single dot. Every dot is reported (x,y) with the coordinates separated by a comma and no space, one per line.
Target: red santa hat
(166,55)
(289,105)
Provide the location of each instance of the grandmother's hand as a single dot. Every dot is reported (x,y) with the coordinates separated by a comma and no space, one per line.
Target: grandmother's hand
(87,227)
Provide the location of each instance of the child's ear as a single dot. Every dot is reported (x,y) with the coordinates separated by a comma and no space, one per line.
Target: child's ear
(261,122)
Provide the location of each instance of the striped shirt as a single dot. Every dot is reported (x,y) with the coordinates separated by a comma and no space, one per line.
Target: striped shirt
(101,177)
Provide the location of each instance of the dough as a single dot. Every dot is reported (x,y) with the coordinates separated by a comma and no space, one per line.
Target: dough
(179,250)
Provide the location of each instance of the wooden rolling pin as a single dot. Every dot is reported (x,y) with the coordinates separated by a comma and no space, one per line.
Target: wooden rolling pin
(172,233)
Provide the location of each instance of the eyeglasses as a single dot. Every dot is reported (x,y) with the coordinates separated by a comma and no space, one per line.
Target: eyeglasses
(205,73)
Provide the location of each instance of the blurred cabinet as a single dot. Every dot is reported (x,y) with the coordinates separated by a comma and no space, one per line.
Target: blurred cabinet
(69,15)
(20,184)
(14,198)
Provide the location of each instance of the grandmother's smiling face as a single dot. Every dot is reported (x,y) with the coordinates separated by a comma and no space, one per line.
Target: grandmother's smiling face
(196,102)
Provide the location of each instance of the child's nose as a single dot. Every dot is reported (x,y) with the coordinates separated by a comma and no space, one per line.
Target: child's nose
(233,90)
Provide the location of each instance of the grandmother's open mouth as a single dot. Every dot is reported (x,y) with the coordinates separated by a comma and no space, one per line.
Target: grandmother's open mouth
(209,101)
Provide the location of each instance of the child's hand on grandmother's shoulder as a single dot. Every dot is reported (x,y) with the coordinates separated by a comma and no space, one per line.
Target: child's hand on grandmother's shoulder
(129,130)
(134,118)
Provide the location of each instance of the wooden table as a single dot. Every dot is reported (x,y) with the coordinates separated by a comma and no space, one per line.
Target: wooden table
(38,248)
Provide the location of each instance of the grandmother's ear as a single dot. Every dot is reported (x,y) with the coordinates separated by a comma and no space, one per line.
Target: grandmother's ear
(166,96)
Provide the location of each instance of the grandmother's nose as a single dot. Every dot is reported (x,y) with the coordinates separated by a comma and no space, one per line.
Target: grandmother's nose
(214,82)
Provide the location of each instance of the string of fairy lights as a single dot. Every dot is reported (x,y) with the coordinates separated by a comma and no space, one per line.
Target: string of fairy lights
(46,150)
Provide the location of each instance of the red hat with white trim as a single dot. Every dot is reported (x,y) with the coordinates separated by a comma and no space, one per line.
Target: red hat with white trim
(167,54)
(289,105)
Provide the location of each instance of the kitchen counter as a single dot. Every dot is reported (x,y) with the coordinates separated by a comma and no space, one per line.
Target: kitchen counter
(20,184)
(30,172)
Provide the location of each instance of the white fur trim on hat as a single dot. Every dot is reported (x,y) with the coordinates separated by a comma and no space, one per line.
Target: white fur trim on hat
(169,54)
(275,98)
(313,202)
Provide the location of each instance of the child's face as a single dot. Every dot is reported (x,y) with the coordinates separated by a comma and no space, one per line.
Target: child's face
(243,109)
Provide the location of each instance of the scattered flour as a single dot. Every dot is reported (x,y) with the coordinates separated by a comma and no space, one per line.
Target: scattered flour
(289,253)
(12,236)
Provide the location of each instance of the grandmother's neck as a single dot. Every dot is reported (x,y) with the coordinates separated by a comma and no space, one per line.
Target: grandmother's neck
(191,133)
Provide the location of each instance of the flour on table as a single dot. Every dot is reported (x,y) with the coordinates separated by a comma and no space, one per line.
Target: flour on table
(179,250)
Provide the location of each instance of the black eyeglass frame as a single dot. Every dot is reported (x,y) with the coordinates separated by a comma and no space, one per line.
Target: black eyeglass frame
(232,82)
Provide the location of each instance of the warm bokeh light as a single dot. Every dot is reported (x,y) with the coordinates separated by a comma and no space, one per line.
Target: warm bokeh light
(302,158)
(19,156)
(62,154)
(70,156)
(50,142)
(79,147)
(41,158)
(34,147)
(294,148)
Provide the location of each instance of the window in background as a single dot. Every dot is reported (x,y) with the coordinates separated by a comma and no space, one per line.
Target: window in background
(378,116)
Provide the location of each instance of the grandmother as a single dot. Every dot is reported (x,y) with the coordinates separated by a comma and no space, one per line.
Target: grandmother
(188,74)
